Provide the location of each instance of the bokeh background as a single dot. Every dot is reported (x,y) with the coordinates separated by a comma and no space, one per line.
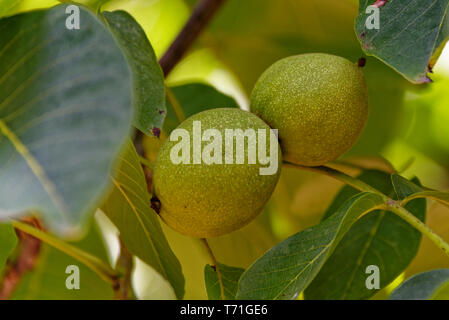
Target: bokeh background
(408,125)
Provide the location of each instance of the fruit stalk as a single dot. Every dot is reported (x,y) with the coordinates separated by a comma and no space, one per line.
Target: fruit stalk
(214,264)
(343,177)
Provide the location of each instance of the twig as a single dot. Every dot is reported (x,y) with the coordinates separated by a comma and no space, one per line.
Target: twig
(202,14)
(29,251)
(343,177)
(125,264)
(214,264)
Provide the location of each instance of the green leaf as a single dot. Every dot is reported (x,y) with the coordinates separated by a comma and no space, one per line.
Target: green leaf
(65,98)
(94,5)
(418,192)
(428,285)
(287,269)
(128,207)
(8,242)
(381,238)
(9,6)
(149,87)
(409,35)
(47,281)
(230,277)
(403,186)
(194,98)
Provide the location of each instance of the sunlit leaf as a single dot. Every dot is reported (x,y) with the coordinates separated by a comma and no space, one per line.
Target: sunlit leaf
(408,36)
(149,87)
(65,112)
(286,269)
(381,239)
(8,241)
(418,192)
(9,6)
(47,280)
(229,277)
(128,207)
(239,249)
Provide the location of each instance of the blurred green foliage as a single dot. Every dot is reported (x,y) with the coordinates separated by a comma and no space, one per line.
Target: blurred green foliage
(407,123)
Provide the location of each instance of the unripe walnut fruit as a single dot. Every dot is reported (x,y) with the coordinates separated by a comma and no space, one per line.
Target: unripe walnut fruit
(205,200)
(318,102)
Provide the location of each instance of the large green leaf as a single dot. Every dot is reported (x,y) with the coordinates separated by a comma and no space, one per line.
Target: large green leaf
(428,285)
(65,111)
(149,87)
(409,35)
(8,241)
(381,238)
(229,276)
(128,207)
(286,269)
(47,281)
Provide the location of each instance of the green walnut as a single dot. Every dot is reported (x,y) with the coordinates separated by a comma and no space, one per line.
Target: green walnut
(216,172)
(318,102)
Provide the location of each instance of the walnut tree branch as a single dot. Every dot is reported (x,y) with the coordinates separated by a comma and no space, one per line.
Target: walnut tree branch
(201,16)
(29,249)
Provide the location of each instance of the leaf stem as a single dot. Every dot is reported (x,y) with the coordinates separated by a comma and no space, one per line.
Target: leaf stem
(390,204)
(343,177)
(419,225)
(125,264)
(176,106)
(94,263)
(215,266)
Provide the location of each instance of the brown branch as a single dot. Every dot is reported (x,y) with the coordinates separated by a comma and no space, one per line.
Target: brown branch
(125,264)
(201,16)
(29,251)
